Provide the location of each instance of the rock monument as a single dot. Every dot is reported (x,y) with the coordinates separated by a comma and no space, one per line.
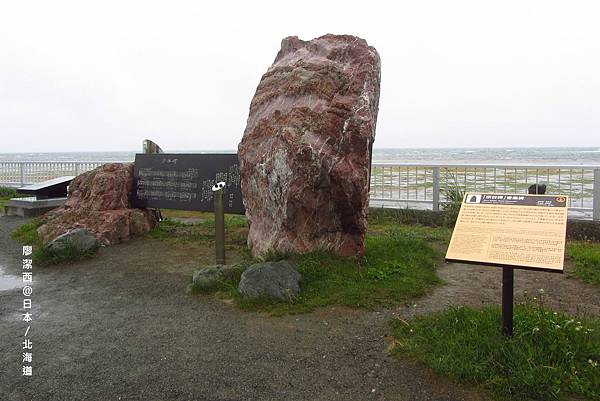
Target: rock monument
(305,153)
(98,201)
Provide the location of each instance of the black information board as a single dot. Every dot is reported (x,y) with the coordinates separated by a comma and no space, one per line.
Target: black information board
(184,181)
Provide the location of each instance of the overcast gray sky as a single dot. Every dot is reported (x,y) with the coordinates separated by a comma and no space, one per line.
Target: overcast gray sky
(90,76)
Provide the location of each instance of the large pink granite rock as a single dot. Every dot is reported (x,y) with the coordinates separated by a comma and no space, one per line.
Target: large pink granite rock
(304,157)
(98,201)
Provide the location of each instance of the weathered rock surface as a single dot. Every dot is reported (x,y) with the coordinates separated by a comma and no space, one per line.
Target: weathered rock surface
(98,201)
(305,156)
(274,280)
(82,239)
(209,277)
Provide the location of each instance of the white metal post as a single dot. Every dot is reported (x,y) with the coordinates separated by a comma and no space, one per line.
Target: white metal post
(436,189)
(596,201)
(22,173)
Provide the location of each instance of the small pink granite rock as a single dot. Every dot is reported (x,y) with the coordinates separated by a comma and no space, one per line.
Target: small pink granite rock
(98,201)
(304,156)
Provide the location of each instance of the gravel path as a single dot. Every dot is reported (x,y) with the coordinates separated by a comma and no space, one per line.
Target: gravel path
(123,326)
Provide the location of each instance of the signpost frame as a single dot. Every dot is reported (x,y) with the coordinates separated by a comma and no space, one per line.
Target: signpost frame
(487,236)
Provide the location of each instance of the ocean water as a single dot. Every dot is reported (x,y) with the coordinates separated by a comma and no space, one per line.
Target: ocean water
(555,156)
(534,156)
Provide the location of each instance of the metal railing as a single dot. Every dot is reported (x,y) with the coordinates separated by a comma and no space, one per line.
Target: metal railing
(404,184)
(18,174)
(428,185)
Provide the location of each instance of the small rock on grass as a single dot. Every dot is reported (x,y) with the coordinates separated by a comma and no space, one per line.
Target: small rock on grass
(210,277)
(272,280)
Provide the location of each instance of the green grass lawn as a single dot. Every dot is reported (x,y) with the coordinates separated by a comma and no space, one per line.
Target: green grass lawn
(202,231)
(401,270)
(585,257)
(396,267)
(551,356)
(170,213)
(399,264)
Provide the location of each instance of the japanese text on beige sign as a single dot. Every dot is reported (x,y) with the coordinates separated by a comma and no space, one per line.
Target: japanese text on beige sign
(507,229)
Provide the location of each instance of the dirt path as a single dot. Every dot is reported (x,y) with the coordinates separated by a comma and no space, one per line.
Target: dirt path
(475,286)
(124,327)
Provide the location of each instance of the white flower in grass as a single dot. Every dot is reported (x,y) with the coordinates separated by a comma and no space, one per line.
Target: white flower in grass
(541,290)
(535,330)
(593,363)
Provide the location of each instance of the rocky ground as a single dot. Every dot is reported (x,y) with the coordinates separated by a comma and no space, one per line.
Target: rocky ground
(123,326)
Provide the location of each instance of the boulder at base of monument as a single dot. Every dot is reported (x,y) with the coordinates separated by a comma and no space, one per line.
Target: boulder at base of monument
(270,280)
(98,201)
(305,153)
(80,238)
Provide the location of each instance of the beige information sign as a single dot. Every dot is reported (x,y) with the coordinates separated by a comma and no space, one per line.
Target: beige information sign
(511,230)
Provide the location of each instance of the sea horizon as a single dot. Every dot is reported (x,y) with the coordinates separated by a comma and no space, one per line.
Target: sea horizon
(468,155)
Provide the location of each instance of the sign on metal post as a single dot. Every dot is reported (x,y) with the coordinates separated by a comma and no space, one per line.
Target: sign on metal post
(510,231)
(185,181)
(219,223)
